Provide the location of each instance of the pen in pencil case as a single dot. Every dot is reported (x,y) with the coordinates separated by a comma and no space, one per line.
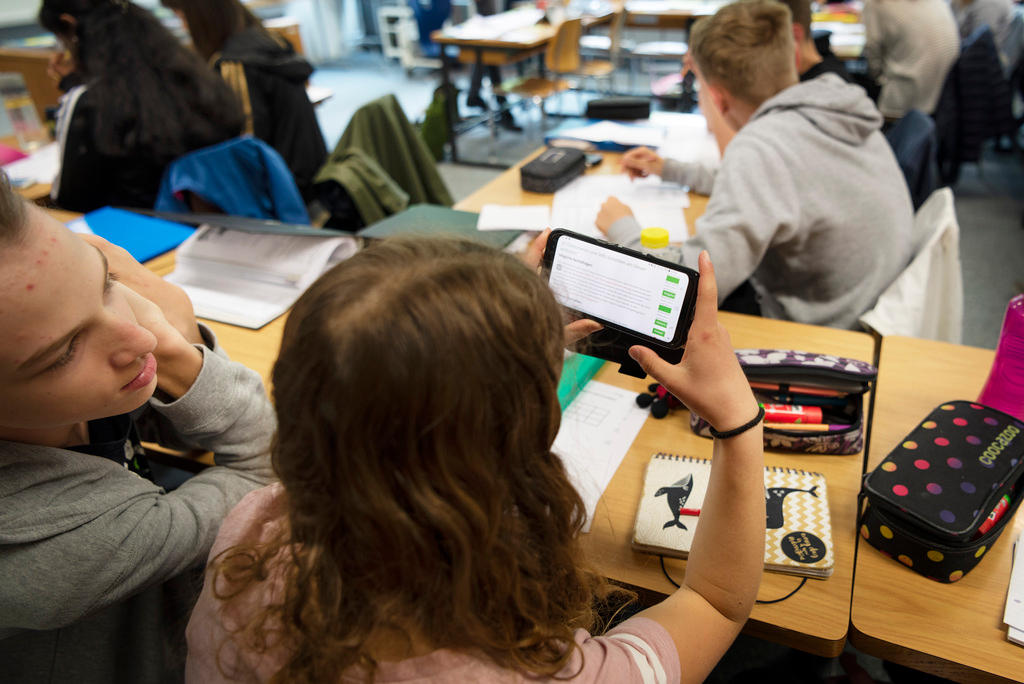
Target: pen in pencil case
(994,516)
(797,389)
(806,399)
(808,427)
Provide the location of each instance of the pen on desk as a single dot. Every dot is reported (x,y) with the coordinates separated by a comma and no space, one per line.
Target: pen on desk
(808,427)
(689,511)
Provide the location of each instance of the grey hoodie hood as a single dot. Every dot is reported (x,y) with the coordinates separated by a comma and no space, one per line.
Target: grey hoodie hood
(837,108)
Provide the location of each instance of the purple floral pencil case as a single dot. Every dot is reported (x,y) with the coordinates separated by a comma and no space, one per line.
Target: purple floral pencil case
(832,386)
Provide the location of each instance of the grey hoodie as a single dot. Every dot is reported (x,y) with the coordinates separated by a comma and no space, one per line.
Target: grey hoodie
(809,203)
(94,559)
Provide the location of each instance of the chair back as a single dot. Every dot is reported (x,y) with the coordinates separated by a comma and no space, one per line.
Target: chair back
(430,16)
(563,53)
(915,145)
(927,298)
(241,177)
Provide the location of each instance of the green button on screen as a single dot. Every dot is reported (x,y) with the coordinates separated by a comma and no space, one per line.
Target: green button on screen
(658,321)
(672,279)
(659,332)
(668,293)
(666,309)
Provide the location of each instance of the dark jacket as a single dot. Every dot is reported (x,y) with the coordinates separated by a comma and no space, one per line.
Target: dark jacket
(270,78)
(975,104)
(829,64)
(90,179)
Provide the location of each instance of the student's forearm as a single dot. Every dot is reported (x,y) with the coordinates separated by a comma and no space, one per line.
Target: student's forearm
(727,555)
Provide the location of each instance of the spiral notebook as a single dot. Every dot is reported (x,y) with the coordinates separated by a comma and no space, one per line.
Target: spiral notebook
(798,528)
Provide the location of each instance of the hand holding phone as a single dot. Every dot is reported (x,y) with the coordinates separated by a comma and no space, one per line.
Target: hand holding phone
(640,298)
(708,379)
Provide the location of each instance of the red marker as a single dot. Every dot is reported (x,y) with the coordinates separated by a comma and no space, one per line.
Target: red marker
(689,511)
(994,516)
(791,413)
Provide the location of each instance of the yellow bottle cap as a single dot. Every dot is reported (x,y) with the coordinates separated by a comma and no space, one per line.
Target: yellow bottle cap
(654,238)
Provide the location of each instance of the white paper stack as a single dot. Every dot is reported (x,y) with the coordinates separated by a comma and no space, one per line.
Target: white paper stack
(1013,616)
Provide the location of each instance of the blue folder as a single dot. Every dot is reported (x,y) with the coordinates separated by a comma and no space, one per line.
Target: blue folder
(144,237)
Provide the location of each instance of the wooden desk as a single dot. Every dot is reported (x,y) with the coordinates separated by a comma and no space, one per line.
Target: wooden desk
(667,14)
(952,630)
(816,619)
(506,189)
(509,48)
(32,64)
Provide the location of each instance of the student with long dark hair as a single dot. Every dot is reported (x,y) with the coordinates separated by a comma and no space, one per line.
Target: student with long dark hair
(142,101)
(266,74)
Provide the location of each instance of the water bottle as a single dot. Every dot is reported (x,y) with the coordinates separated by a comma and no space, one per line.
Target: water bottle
(1004,389)
(654,240)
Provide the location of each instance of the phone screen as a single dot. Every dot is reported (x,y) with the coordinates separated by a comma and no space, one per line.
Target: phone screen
(641,296)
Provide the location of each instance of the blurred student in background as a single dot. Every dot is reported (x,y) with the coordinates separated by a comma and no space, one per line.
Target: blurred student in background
(266,74)
(910,46)
(141,100)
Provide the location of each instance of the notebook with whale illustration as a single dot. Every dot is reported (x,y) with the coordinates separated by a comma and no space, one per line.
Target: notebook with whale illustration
(798,529)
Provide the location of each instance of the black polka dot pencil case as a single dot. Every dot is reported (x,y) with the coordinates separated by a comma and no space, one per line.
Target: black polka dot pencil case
(941,498)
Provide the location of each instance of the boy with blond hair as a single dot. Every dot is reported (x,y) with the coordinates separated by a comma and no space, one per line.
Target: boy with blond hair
(814,251)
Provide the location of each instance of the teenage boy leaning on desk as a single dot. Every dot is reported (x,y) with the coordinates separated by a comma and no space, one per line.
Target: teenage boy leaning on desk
(809,203)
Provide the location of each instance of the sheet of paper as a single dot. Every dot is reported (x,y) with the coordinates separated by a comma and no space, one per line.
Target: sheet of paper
(500,217)
(597,430)
(249,279)
(39,167)
(496,25)
(653,203)
(1013,615)
(687,138)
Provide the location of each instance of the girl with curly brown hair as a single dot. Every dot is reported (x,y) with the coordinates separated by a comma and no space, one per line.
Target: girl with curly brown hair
(423,529)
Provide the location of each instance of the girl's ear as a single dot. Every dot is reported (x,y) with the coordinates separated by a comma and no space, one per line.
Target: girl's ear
(72,25)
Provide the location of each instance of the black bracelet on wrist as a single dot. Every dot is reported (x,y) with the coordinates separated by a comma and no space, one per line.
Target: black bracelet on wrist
(741,429)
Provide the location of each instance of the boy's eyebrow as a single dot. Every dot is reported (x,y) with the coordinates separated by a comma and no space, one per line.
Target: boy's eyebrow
(54,346)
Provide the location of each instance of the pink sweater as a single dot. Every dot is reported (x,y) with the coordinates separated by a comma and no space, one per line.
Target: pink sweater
(638,650)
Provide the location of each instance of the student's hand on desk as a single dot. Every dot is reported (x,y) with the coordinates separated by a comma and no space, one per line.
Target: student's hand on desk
(611,211)
(708,379)
(178,362)
(640,162)
(171,299)
(574,330)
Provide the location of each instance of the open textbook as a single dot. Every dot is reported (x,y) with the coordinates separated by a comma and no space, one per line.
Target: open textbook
(250,278)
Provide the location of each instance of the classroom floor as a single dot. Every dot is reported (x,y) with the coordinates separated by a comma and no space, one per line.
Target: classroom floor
(989,196)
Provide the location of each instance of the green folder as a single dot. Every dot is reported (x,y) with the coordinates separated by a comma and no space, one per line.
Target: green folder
(577,370)
(432,219)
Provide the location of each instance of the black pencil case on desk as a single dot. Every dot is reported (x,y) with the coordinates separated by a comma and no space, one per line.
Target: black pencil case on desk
(927,500)
(555,167)
(619,108)
(849,378)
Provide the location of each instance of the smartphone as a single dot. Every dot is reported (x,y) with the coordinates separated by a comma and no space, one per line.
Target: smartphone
(647,298)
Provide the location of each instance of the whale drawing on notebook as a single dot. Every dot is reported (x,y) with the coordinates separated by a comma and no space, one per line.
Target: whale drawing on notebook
(676,495)
(774,497)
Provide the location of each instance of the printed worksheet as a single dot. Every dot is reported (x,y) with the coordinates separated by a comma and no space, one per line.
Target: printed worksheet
(597,430)
(653,203)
